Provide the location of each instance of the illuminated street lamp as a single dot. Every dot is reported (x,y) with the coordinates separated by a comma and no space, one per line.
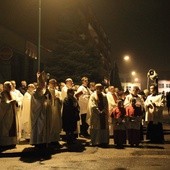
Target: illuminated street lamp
(126,58)
(133,73)
(136,79)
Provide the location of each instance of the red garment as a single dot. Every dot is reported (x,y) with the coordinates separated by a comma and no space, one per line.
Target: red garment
(133,126)
(130,111)
(119,126)
(118,112)
(133,111)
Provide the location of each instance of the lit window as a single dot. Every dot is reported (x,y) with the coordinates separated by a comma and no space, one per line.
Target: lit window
(161,85)
(167,85)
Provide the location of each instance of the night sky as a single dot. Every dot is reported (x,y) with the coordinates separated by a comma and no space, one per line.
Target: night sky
(140,29)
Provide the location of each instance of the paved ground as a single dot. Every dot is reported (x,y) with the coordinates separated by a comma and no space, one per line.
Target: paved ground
(82,156)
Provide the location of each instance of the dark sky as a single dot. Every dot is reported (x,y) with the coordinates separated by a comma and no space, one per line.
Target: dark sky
(139,28)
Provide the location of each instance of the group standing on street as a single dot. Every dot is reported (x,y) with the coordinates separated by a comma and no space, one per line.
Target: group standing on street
(39,112)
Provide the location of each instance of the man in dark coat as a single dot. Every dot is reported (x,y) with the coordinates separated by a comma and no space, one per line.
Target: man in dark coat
(70,116)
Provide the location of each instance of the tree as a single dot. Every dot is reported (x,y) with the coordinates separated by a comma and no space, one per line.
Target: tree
(114,77)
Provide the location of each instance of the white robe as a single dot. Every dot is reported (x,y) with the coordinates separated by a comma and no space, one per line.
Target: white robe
(98,135)
(25,116)
(111,102)
(7,114)
(17,95)
(40,119)
(139,100)
(155,114)
(83,98)
(111,105)
(56,122)
(64,92)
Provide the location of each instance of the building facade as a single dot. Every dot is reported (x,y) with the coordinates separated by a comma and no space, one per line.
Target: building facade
(163,86)
(73,43)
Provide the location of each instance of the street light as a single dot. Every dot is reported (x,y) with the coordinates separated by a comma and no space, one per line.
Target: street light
(126,58)
(133,73)
(136,79)
(39,35)
(124,70)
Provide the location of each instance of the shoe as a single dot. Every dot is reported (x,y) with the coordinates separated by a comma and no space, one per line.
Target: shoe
(86,135)
(71,142)
(137,144)
(94,145)
(104,145)
(119,146)
(40,146)
(7,147)
(131,145)
(56,144)
(81,135)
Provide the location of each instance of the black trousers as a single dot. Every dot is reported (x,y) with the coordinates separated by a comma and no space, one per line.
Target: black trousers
(155,132)
(84,126)
(70,137)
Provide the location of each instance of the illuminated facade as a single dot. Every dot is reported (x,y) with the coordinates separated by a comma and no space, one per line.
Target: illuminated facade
(163,86)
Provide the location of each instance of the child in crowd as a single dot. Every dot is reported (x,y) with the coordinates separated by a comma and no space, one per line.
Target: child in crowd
(118,115)
(134,117)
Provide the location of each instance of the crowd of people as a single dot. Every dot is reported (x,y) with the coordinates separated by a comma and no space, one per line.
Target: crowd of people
(40,111)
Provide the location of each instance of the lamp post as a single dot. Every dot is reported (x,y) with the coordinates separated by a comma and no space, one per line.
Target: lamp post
(39,34)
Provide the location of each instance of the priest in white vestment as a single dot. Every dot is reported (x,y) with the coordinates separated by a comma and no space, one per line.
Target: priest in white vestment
(56,121)
(41,114)
(25,113)
(18,96)
(99,127)
(112,104)
(154,104)
(83,94)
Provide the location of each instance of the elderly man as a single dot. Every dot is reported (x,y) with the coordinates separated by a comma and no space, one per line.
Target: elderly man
(56,104)
(8,129)
(41,114)
(99,127)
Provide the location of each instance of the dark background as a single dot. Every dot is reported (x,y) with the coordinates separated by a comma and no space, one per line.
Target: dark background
(140,29)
